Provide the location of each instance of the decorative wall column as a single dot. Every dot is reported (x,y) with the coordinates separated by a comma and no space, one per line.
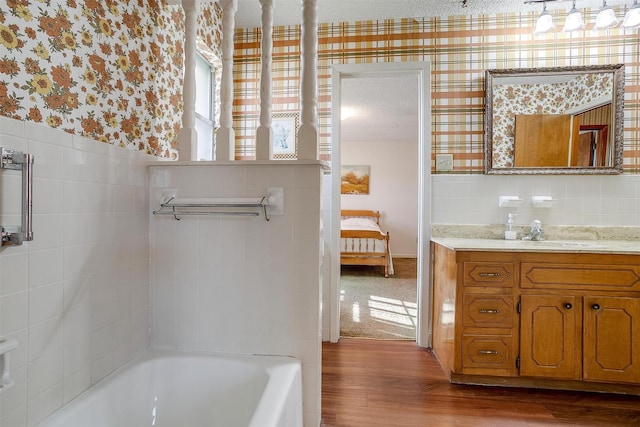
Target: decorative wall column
(187,136)
(308,133)
(225,135)
(264,134)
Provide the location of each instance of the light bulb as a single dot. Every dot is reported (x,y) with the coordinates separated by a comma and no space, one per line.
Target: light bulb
(632,18)
(606,18)
(544,22)
(574,20)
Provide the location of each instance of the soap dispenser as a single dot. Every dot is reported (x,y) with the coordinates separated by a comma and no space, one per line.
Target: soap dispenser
(510,233)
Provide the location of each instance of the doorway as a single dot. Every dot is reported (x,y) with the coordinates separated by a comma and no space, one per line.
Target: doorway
(419,71)
(379,140)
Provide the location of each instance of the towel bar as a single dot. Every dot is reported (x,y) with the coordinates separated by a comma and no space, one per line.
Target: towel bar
(224,206)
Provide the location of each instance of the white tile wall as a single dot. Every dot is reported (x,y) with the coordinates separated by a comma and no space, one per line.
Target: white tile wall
(599,200)
(237,284)
(77,297)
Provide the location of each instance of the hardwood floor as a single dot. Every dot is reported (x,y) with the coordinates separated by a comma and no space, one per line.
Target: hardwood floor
(396,383)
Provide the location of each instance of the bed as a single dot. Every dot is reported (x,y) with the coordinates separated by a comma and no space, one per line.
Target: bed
(362,241)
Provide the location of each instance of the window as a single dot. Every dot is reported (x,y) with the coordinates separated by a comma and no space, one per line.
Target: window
(205,108)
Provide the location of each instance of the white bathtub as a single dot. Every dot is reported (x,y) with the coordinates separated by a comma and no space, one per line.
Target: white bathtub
(173,388)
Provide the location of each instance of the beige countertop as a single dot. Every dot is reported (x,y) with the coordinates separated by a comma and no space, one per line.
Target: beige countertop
(584,246)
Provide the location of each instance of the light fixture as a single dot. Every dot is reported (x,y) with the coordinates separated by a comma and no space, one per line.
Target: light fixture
(632,18)
(348,112)
(606,18)
(574,20)
(544,22)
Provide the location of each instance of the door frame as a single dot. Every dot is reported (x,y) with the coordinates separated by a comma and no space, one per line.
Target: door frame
(425,292)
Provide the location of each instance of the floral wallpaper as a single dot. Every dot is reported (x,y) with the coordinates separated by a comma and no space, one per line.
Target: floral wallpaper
(551,98)
(108,70)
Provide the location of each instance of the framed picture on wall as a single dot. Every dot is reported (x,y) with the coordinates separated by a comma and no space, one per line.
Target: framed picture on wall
(285,135)
(354,179)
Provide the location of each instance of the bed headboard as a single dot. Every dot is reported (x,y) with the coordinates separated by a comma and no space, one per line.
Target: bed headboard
(374,215)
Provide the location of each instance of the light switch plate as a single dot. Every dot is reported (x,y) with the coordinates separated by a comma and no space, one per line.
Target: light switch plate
(444,162)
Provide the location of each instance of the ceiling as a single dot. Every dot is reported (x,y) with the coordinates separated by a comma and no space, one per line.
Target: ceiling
(288,12)
(379,108)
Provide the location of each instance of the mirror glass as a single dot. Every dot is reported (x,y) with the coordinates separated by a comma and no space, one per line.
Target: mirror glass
(564,120)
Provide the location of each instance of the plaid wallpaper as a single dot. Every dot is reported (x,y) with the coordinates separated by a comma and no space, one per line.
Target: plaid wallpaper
(459,48)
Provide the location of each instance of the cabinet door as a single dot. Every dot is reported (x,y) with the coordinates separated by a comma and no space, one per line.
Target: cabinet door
(550,342)
(611,339)
(542,140)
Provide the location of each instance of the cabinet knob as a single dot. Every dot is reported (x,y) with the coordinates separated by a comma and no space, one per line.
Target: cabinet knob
(568,306)
(596,306)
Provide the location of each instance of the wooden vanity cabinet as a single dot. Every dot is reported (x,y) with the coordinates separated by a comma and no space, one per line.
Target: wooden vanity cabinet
(555,320)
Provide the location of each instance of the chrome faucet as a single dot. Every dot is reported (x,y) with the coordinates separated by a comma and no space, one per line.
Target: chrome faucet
(536,231)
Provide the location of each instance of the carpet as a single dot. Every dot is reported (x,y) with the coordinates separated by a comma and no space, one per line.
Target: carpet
(375,307)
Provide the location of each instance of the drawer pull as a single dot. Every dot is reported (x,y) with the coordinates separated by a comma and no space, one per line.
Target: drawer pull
(489,311)
(490,274)
(487,352)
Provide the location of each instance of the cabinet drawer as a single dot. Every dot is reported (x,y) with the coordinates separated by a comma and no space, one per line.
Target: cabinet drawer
(491,352)
(489,274)
(488,311)
(580,276)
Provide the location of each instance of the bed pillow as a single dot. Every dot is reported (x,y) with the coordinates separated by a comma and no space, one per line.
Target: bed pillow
(358,224)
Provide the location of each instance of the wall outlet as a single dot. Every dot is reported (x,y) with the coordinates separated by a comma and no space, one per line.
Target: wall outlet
(444,162)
